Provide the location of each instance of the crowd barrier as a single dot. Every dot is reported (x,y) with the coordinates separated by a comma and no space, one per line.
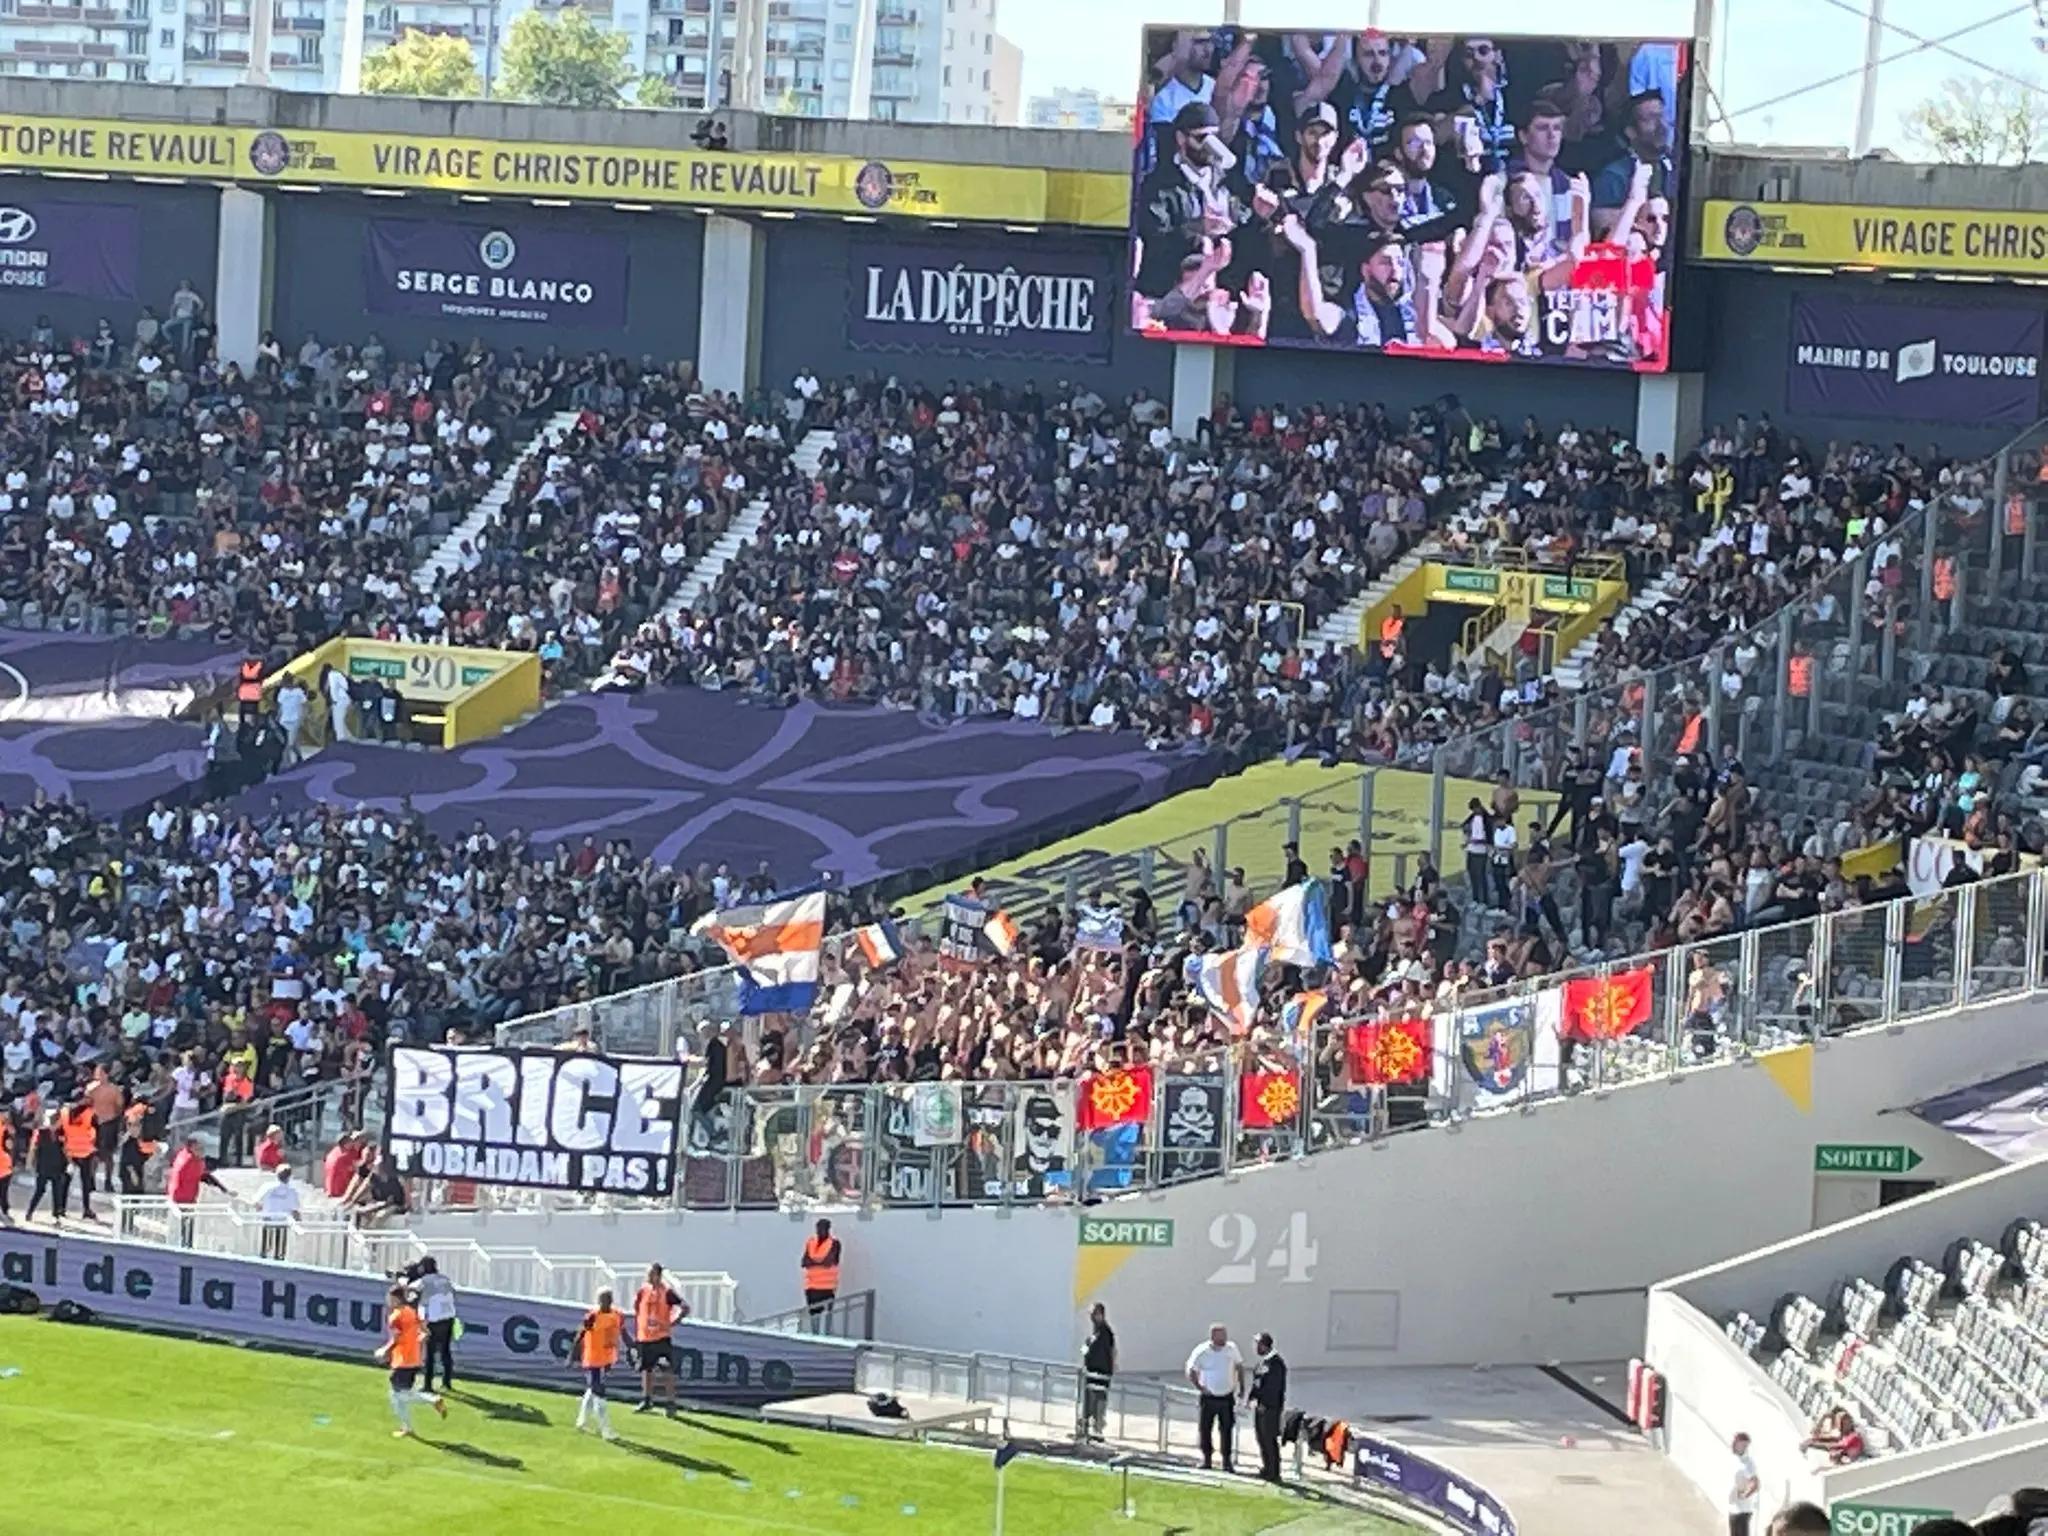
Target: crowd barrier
(331,1239)
(1726,999)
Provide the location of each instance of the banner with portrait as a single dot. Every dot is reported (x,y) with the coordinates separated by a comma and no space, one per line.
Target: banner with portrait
(1482,196)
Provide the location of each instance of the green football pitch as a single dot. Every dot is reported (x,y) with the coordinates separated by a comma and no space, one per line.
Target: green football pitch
(222,1441)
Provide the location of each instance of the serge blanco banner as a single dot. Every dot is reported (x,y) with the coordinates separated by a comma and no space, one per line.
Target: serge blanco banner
(1019,299)
(1914,362)
(491,272)
(79,250)
(539,1118)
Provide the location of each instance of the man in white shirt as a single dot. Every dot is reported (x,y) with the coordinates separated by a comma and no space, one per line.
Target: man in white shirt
(279,1207)
(1216,1370)
(1742,1488)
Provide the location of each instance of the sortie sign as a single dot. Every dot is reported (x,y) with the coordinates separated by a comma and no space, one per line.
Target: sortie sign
(1879,1519)
(1106,1232)
(1864,1159)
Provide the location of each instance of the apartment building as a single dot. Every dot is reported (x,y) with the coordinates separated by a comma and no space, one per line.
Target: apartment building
(894,60)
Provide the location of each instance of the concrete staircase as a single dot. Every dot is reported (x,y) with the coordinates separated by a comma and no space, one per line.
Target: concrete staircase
(1340,629)
(705,574)
(1571,671)
(490,508)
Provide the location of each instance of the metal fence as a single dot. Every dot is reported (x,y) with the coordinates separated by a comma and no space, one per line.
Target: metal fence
(332,1239)
(1713,1002)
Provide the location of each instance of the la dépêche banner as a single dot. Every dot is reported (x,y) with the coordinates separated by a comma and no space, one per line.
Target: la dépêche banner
(72,250)
(504,1338)
(552,277)
(542,1119)
(1468,1507)
(633,175)
(1443,196)
(1989,242)
(1018,299)
(1918,362)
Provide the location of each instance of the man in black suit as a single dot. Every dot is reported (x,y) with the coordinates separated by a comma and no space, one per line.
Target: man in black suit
(1269,1400)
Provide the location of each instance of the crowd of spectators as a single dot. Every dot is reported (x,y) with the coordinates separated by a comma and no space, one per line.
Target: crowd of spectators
(965,550)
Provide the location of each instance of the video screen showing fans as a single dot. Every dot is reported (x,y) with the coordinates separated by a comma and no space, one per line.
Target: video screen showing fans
(1471,196)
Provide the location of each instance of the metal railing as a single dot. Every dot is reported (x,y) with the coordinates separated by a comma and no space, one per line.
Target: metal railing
(1717,1001)
(1039,1397)
(332,1239)
(851,1316)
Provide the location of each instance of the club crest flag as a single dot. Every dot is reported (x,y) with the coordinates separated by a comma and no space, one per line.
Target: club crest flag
(1229,984)
(776,948)
(1268,1100)
(1294,926)
(1508,1052)
(935,1114)
(1607,1007)
(1394,1052)
(1119,1097)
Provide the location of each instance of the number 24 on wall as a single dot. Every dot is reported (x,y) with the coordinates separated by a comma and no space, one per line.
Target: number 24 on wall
(1293,1257)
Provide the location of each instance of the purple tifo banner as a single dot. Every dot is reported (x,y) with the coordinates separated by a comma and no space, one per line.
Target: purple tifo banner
(1018,299)
(1914,362)
(1430,1485)
(493,272)
(79,250)
(503,1338)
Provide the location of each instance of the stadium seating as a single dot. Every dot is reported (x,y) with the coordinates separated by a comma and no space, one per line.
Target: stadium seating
(1928,1355)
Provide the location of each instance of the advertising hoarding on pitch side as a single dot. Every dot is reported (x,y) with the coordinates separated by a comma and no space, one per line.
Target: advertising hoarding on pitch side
(543,1119)
(562,278)
(504,1338)
(1914,362)
(1018,298)
(1475,196)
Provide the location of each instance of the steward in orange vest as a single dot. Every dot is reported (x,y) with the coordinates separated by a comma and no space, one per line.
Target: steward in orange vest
(821,1270)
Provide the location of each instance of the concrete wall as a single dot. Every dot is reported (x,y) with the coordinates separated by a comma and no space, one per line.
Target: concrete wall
(320,277)
(1745,350)
(1714,1391)
(1432,1248)
(179,240)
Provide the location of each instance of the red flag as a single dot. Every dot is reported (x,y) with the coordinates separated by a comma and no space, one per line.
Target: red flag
(1117,1097)
(1597,1008)
(1388,1053)
(1266,1100)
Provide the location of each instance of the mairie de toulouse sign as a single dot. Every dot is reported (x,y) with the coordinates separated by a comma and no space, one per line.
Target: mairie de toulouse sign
(1022,297)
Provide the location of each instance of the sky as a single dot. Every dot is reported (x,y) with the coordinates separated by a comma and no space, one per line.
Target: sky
(1768,48)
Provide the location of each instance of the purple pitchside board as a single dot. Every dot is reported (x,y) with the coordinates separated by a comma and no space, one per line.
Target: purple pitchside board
(693,777)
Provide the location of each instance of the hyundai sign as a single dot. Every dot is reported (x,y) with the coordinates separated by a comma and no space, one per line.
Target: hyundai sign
(75,250)
(1016,299)
(1914,362)
(461,272)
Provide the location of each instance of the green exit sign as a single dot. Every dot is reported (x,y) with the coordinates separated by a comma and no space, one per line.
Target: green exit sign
(1109,1232)
(1879,1519)
(1865,1159)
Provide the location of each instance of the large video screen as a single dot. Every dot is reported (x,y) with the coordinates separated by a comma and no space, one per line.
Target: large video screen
(1470,196)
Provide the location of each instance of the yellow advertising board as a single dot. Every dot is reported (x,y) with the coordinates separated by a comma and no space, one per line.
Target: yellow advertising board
(1962,240)
(676,177)
(463,693)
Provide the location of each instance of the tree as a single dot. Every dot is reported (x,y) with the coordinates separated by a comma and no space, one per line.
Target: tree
(567,61)
(422,64)
(1982,122)
(654,91)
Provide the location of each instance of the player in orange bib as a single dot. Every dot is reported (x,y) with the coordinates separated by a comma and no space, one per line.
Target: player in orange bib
(403,1348)
(595,1351)
(656,1311)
